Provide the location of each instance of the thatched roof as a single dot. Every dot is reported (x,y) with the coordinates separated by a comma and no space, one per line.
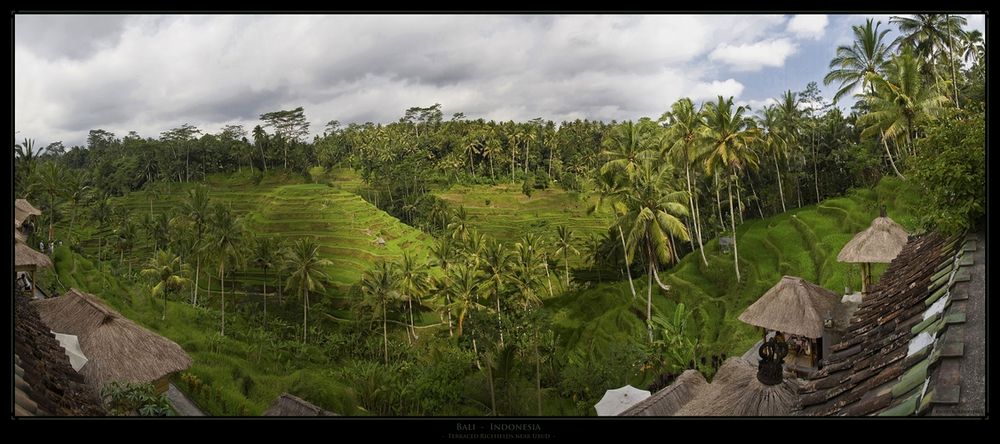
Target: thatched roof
(24,256)
(117,348)
(23,209)
(670,399)
(290,405)
(881,242)
(18,235)
(793,306)
(735,391)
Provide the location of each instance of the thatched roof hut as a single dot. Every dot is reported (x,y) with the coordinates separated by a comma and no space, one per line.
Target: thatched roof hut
(22,210)
(670,399)
(17,233)
(793,306)
(290,405)
(26,259)
(736,391)
(117,349)
(879,243)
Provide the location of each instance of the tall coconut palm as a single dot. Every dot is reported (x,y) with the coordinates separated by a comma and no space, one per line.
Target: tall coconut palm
(226,243)
(685,134)
(195,208)
(306,274)
(492,148)
(443,252)
(609,187)
(931,35)
(564,242)
(49,181)
(868,53)
(526,274)
(626,147)
(902,102)
(972,46)
(730,147)
(27,158)
(266,254)
(651,215)
(464,286)
(789,120)
(773,142)
(380,287)
(496,264)
(412,284)
(169,275)
(459,226)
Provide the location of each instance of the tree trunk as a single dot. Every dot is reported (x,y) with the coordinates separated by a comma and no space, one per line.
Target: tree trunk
(701,248)
(649,301)
(566,263)
(625,253)
(305,316)
(547,278)
(513,150)
(385,334)
(493,398)
(891,162)
(951,56)
(697,224)
(222,274)
(413,330)
(197,274)
(451,331)
(265,298)
(755,198)
(496,293)
(815,171)
(538,375)
(732,224)
(526,158)
(492,173)
(739,199)
(781,190)
(164,316)
(718,201)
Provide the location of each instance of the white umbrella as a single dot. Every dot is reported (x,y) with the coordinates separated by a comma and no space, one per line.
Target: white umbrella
(71,344)
(620,399)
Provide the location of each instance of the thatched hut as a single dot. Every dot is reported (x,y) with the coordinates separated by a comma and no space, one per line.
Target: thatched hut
(670,399)
(879,243)
(793,306)
(291,405)
(737,391)
(28,260)
(117,349)
(23,210)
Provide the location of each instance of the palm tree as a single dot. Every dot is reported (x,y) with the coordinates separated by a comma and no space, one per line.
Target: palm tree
(867,54)
(306,268)
(901,103)
(627,145)
(973,48)
(497,263)
(789,119)
(928,35)
(379,285)
(50,181)
(686,131)
(492,148)
(226,243)
(26,157)
(564,237)
(593,247)
(464,287)
(412,283)
(265,255)
(610,186)
(651,213)
(126,233)
(195,208)
(78,193)
(730,147)
(459,226)
(473,145)
(774,143)
(443,252)
(169,275)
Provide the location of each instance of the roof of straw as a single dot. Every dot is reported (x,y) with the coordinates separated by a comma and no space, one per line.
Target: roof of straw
(290,405)
(117,348)
(670,399)
(736,391)
(25,256)
(881,242)
(23,209)
(793,306)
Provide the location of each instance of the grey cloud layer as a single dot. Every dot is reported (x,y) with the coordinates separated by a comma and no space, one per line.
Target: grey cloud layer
(150,74)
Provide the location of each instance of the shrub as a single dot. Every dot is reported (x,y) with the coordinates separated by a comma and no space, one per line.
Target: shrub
(528,186)
(542,180)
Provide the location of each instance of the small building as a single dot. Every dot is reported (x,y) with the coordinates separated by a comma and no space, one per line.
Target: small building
(740,388)
(27,260)
(24,213)
(800,309)
(45,383)
(291,405)
(116,348)
(880,243)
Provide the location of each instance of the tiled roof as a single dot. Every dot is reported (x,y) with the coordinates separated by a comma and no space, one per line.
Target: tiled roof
(904,352)
(44,382)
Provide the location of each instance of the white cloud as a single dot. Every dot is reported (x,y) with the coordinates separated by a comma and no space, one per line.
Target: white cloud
(757,105)
(811,26)
(754,56)
(152,73)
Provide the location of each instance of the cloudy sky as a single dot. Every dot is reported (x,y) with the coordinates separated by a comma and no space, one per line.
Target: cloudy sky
(153,73)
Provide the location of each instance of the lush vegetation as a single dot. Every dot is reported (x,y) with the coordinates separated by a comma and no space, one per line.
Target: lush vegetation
(410,269)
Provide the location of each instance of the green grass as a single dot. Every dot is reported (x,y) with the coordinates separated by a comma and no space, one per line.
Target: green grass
(803,242)
(510,214)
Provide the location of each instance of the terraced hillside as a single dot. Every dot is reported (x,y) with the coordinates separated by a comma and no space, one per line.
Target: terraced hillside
(505,213)
(350,231)
(803,242)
